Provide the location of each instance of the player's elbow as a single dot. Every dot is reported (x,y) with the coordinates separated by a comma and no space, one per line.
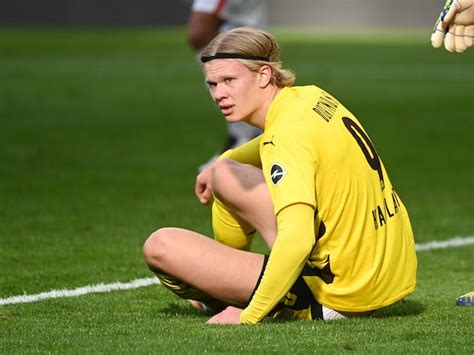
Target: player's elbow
(303,248)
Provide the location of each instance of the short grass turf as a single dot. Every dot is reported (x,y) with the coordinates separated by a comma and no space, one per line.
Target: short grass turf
(101,133)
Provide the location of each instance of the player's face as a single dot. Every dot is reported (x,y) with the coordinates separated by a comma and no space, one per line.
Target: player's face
(234,88)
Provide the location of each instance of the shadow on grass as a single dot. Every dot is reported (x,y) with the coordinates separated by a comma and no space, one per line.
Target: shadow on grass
(180,308)
(402,308)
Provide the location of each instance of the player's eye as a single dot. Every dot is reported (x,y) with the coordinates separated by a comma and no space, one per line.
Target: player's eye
(228,80)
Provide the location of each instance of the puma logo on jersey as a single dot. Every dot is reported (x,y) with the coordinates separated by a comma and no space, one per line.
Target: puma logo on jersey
(277,173)
(269,142)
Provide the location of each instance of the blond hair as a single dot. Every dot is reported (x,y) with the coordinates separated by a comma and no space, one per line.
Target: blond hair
(252,42)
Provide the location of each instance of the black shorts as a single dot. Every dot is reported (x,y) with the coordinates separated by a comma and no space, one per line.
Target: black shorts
(298,303)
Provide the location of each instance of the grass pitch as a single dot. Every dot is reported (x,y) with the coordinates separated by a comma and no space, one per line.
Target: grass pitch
(101,133)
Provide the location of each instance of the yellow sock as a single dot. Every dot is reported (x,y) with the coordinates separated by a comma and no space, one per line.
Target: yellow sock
(229,229)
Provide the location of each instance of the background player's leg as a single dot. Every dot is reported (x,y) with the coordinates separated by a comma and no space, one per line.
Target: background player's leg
(202,28)
(222,272)
(240,133)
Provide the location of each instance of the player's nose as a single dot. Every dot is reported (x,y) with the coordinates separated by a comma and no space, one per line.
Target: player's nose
(220,92)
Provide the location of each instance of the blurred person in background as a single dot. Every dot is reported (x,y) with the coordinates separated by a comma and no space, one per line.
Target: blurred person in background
(207,19)
(455,28)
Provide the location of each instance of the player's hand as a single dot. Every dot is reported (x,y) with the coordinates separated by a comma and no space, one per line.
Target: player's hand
(455,26)
(230,315)
(203,186)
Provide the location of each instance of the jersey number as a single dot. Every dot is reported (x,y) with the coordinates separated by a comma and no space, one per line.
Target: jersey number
(366,146)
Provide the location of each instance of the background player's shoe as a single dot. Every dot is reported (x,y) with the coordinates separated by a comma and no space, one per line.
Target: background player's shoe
(239,133)
(231,143)
(465,300)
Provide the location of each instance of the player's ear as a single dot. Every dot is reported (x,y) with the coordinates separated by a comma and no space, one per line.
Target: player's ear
(264,75)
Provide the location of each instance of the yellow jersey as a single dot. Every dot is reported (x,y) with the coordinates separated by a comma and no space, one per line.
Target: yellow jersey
(315,152)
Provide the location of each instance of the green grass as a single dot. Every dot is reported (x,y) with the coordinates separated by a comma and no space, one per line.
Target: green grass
(100,136)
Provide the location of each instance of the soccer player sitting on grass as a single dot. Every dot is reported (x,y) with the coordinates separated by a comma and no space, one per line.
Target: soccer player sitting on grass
(312,185)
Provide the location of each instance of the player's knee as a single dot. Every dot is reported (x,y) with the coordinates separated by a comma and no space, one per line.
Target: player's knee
(154,249)
(221,177)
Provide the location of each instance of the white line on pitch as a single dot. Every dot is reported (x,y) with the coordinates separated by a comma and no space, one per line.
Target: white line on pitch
(99,288)
(450,243)
(137,283)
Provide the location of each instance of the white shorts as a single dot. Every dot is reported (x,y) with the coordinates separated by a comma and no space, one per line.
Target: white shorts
(235,13)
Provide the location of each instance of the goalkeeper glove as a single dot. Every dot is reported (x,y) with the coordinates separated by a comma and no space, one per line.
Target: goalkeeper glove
(455,26)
